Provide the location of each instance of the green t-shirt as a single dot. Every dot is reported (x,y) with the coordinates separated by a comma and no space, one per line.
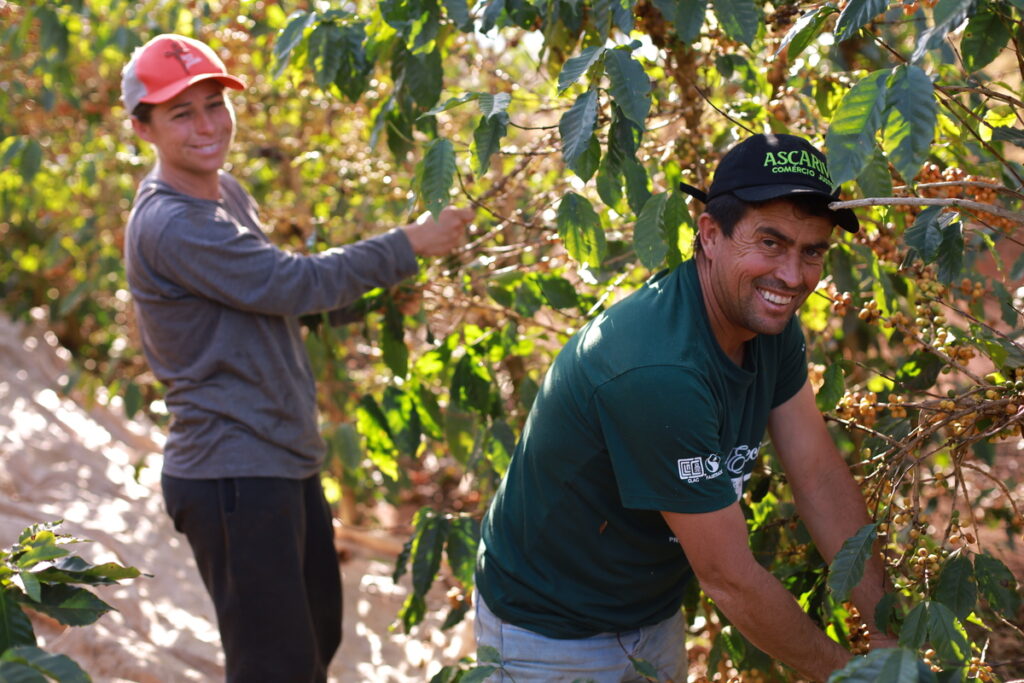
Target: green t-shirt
(640,412)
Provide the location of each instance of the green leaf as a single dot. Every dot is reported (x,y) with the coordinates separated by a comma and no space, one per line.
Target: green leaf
(832,389)
(956,588)
(58,667)
(353,70)
(687,16)
(874,179)
(70,605)
(892,665)
(427,545)
(919,372)
(424,77)
(644,668)
(471,384)
(380,447)
(453,102)
(458,12)
(630,86)
(805,30)
(403,421)
(998,585)
(589,161)
(637,191)
(15,627)
(493,104)
(847,567)
(740,19)
(31,160)
(925,235)
(290,36)
(577,125)
(950,255)
(501,443)
(438,175)
(1006,134)
(851,134)
(910,123)
(324,53)
(487,140)
(580,230)
(478,674)
(856,14)
(460,547)
(575,67)
(914,633)
(40,547)
(984,38)
(558,291)
(648,239)
(948,15)
(392,342)
(946,633)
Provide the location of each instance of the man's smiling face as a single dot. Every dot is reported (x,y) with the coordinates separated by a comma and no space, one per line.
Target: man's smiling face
(758,277)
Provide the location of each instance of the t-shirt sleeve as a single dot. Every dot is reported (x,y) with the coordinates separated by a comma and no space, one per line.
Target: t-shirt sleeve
(238,267)
(663,443)
(792,363)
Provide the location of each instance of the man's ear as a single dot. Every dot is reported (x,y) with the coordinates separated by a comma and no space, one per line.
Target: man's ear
(709,233)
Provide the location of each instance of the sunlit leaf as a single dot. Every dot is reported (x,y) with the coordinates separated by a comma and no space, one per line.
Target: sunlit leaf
(70,605)
(874,179)
(998,585)
(851,134)
(648,239)
(38,662)
(577,125)
(919,371)
(291,36)
(856,14)
(580,230)
(630,85)
(575,67)
(832,389)
(911,117)
(487,139)
(438,175)
(925,235)
(892,665)
(946,634)
(805,30)
(458,12)
(847,567)
(460,547)
(956,588)
(739,18)
(948,16)
(984,38)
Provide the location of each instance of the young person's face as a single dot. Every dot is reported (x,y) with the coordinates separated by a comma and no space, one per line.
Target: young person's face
(192,132)
(761,274)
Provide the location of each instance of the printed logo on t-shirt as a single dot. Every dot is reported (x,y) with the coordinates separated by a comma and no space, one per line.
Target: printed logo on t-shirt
(694,469)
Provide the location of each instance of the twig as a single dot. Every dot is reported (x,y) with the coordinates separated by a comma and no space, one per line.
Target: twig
(1015,216)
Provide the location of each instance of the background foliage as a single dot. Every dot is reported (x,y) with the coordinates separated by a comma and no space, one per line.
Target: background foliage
(568,124)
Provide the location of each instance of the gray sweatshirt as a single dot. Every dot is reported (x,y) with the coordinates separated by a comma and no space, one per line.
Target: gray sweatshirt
(217,307)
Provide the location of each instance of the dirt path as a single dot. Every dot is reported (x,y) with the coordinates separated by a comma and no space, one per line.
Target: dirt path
(59,460)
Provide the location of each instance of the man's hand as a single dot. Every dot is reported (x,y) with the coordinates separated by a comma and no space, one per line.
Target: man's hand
(439,237)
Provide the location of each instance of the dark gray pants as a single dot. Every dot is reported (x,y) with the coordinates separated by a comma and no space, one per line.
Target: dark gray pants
(265,550)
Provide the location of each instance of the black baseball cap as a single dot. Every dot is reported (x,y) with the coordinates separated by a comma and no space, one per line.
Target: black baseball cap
(764,167)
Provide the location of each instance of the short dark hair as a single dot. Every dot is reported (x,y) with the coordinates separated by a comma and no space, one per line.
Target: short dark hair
(143,111)
(727,210)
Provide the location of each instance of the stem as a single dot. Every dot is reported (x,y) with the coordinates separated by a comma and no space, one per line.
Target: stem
(1014,216)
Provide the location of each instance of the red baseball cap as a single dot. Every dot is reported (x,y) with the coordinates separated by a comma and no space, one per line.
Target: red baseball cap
(168,64)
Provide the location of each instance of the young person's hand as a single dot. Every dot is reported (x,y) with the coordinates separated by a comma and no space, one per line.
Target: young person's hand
(431,237)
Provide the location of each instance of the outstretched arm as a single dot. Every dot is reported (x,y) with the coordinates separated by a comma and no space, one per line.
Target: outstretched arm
(828,499)
(432,237)
(716,544)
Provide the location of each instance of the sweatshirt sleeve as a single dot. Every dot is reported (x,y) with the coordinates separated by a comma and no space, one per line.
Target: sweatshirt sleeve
(236,266)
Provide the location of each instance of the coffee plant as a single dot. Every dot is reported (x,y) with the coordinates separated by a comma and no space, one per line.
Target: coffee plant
(40,574)
(568,125)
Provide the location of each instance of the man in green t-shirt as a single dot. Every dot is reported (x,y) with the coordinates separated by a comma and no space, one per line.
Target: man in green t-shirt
(627,479)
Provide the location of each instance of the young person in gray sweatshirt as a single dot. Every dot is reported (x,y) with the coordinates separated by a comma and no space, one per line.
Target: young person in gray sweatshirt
(218,309)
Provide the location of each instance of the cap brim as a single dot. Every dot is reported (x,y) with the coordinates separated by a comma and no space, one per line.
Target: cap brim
(170,91)
(844,218)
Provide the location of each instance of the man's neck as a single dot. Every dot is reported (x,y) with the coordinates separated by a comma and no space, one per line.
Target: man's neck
(731,343)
